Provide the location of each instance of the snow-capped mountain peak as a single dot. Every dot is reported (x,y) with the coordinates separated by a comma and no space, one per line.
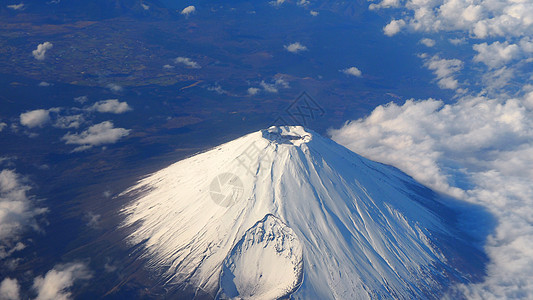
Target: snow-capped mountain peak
(285,212)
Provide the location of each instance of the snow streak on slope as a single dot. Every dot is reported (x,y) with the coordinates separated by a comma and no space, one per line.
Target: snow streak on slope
(365,229)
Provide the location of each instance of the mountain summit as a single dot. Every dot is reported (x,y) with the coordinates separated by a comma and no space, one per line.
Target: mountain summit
(285,212)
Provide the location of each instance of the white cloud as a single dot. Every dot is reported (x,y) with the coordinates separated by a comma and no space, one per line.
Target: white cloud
(168,67)
(251,91)
(353,71)
(2,126)
(496,54)
(17,212)
(35,118)
(393,27)
(187,62)
(295,47)
(56,284)
(427,42)
(303,2)
(313,13)
(19,6)
(445,69)
(115,87)
(99,134)
(145,7)
(41,50)
(111,106)
(9,289)
(188,10)
(44,84)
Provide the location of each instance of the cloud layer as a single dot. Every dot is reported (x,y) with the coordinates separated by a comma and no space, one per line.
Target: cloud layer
(479,150)
(481,19)
(479,147)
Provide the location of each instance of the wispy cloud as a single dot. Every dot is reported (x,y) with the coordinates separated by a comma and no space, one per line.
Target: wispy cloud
(81,99)
(217,89)
(277,2)
(187,62)
(70,121)
(274,86)
(445,70)
(19,6)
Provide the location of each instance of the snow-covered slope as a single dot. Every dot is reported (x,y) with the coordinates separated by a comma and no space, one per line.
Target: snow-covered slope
(285,212)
